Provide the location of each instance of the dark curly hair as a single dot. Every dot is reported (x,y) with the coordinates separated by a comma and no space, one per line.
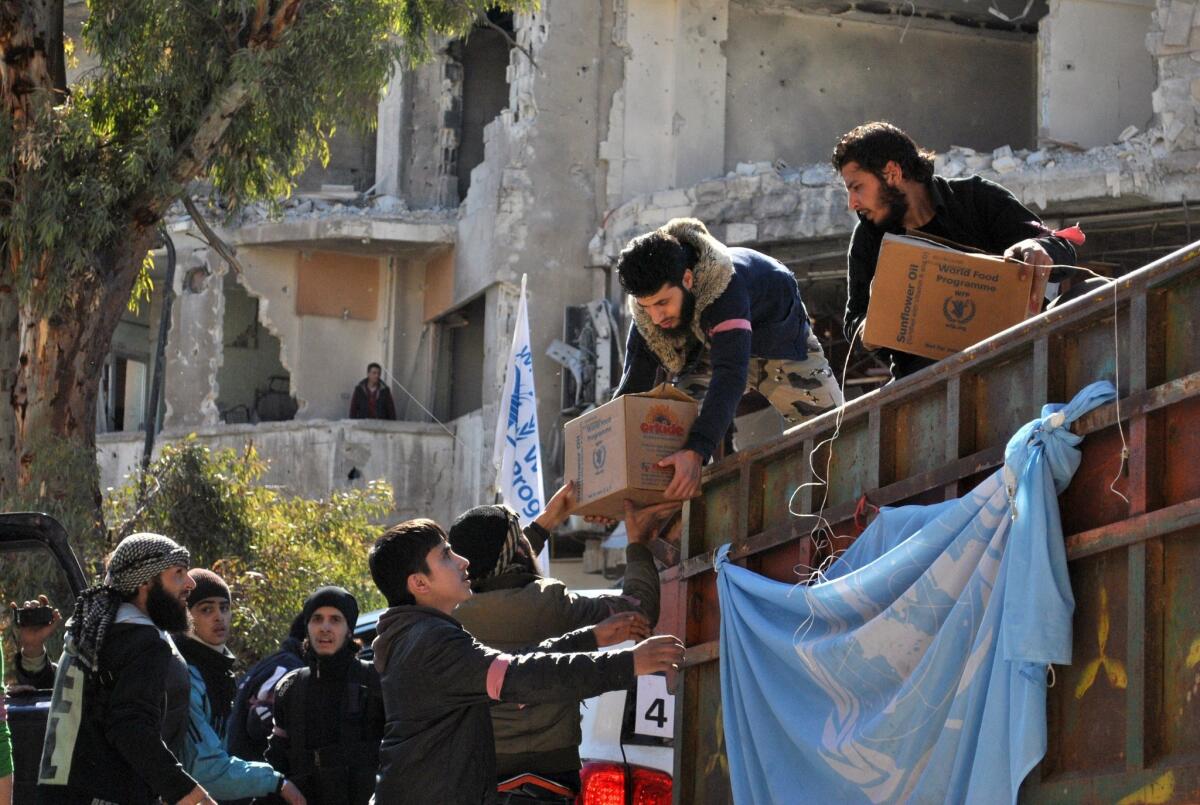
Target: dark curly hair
(653,260)
(874,145)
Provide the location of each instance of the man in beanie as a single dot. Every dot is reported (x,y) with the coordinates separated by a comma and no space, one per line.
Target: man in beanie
(514,606)
(210,668)
(252,718)
(329,714)
(118,716)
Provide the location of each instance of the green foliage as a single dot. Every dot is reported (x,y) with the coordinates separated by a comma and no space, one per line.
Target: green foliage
(143,286)
(79,175)
(272,549)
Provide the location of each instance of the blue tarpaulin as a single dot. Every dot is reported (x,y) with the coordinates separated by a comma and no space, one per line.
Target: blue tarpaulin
(916,669)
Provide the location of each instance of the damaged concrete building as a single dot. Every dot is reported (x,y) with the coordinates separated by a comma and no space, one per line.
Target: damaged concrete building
(544,141)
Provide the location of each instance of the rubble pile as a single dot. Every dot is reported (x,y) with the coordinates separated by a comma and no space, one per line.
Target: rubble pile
(762,202)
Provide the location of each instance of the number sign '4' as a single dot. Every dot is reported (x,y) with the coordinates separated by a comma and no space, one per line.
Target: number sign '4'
(655,708)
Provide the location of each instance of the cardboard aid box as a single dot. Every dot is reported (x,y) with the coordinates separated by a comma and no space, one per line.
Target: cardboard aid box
(933,300)
(611,451)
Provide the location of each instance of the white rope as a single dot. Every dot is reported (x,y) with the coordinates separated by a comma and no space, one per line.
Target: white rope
(816,574)
(1112,487)
(466,450)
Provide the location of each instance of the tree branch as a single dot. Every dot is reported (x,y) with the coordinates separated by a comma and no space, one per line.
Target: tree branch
(227,252)
(512,42)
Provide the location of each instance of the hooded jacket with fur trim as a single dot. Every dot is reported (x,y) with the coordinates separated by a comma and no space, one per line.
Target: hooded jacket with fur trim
(747,305)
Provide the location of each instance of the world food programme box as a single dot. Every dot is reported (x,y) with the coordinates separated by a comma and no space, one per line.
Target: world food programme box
(611,451)
(933,300)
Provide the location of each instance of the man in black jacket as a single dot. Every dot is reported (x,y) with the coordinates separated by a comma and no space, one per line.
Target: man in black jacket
(118,716)
(892,187)
(438,682)
(371,398)
(329,714)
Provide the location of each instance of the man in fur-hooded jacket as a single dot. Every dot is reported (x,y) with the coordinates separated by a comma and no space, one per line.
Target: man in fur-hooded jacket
(718,321)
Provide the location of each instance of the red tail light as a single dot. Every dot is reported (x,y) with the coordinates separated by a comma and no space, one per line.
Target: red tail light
(604,784)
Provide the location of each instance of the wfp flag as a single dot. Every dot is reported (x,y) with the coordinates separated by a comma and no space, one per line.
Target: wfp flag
(518,451)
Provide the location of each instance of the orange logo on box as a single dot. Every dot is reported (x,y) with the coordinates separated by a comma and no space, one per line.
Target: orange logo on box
(660,420)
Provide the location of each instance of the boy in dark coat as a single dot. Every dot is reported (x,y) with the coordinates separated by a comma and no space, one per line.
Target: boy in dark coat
(438,682)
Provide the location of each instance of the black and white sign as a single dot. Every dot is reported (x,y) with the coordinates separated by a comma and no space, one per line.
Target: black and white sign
(655,708)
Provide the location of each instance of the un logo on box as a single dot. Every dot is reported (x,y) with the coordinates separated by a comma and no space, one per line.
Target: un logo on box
(958,311)
(599,455)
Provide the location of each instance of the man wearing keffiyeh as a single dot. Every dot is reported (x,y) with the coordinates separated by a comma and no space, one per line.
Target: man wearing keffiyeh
(119,711)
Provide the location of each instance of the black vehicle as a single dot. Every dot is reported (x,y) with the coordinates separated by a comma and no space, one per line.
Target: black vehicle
(35,558)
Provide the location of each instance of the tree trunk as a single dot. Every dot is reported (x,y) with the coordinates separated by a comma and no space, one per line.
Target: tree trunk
(10,317)
(60,365)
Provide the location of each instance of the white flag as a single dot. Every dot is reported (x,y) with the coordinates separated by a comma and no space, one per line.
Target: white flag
(518,451)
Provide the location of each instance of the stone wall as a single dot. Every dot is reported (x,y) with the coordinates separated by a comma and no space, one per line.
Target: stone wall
(1174,41)
(315,459)
(763,203)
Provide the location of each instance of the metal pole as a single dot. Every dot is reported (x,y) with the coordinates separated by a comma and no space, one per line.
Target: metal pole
(164,324)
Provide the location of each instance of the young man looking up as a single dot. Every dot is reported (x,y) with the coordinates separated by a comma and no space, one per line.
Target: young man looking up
(718,321)
(891,187)
(329,714)
(118,716)
(210,668)
(439,682)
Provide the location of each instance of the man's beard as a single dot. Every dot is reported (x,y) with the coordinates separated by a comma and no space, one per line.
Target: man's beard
(166,611)
(897,207)
(687,310)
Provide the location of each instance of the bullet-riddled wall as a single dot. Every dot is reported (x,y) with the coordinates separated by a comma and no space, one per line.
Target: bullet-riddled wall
(798,81)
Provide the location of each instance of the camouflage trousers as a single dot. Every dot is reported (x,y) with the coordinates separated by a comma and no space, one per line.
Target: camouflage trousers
(796,390)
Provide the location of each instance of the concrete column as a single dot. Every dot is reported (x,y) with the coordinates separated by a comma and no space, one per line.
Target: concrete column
(195,346)
(389,138)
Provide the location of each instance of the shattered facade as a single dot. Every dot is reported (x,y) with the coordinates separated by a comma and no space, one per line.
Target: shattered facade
(543,155)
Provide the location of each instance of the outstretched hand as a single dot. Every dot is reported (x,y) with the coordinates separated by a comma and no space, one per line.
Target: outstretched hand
(621,627)
(32,639)
(657,654)
(558,508)
(685,483)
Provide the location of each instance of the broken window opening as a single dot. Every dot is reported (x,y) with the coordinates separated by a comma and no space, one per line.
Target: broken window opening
(459,382)
(253,384)
(351,158)
(484,57)
(123,392)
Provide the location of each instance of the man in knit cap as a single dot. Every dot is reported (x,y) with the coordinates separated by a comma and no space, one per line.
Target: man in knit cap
(514,606)
(210,667)
(118,716)
(329,714)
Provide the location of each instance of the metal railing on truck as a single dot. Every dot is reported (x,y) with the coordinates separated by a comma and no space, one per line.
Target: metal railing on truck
(1131,724)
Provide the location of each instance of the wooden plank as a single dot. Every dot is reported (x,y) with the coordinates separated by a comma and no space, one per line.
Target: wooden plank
(1134,530)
